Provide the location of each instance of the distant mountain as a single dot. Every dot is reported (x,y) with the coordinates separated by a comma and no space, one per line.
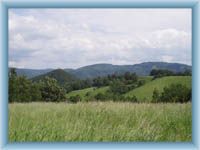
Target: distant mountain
(30,73)
(142,69)
(60,75)
(95,70)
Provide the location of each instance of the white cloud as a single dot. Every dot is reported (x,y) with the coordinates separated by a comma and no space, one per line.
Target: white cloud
(167,58)
(68,38)
(171,38)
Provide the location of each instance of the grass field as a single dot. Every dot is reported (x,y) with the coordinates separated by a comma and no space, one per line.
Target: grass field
(102,121)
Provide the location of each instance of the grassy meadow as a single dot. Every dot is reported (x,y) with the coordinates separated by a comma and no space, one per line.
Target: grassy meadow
(99,121)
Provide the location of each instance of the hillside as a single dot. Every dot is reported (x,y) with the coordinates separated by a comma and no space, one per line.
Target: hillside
(90,91)
(60,75)
(142,93)
(142,69)
(145,92)
(92,71)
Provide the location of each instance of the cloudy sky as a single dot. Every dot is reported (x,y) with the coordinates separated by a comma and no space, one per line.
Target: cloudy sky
(71,38)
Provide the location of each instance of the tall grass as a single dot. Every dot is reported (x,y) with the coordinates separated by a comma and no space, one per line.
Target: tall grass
(102,121)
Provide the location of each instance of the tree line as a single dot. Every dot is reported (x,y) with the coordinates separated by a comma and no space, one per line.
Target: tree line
(174,93)
(158,73)
(48,89)
(126,78)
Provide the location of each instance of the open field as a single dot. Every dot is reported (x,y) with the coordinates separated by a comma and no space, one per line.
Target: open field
(99,121)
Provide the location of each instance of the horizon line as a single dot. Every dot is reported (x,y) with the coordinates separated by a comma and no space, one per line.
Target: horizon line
(100,64)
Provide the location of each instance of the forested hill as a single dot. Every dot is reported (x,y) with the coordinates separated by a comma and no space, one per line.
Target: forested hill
(142,69)
(95,70)
(60,75)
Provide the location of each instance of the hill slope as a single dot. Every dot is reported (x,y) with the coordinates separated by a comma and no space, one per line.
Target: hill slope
(90,91)
(60,75)
(142,93)
(145,92)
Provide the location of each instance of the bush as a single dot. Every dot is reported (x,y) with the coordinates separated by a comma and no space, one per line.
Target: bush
(74,99)
(100,96)
(88,94)
(141,82)
(118,87)
(131,99)
(156,96)
(176,93)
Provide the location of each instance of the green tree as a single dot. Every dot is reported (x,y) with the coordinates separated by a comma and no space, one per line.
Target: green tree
(51,91)
(12,85)
(35,92)
(118,87)
(22,89)
(155,96)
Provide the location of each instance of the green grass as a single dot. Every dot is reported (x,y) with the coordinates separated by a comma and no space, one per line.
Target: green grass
(81,92)
(93,91)
(107,121)
(145,92)
(146,78)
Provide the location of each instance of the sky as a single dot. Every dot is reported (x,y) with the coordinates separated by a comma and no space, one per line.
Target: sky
(72,38)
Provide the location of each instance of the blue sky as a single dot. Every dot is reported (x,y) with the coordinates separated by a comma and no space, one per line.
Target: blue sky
(72,38)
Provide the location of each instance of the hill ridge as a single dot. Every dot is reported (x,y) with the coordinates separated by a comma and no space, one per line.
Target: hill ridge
(59,74)
(103,69)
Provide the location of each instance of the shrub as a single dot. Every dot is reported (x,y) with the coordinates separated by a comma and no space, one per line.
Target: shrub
(155,96)
(141,82)
(118,87)
(88,94)
(75,99)
(131,99)
(100,96)
(176,93)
